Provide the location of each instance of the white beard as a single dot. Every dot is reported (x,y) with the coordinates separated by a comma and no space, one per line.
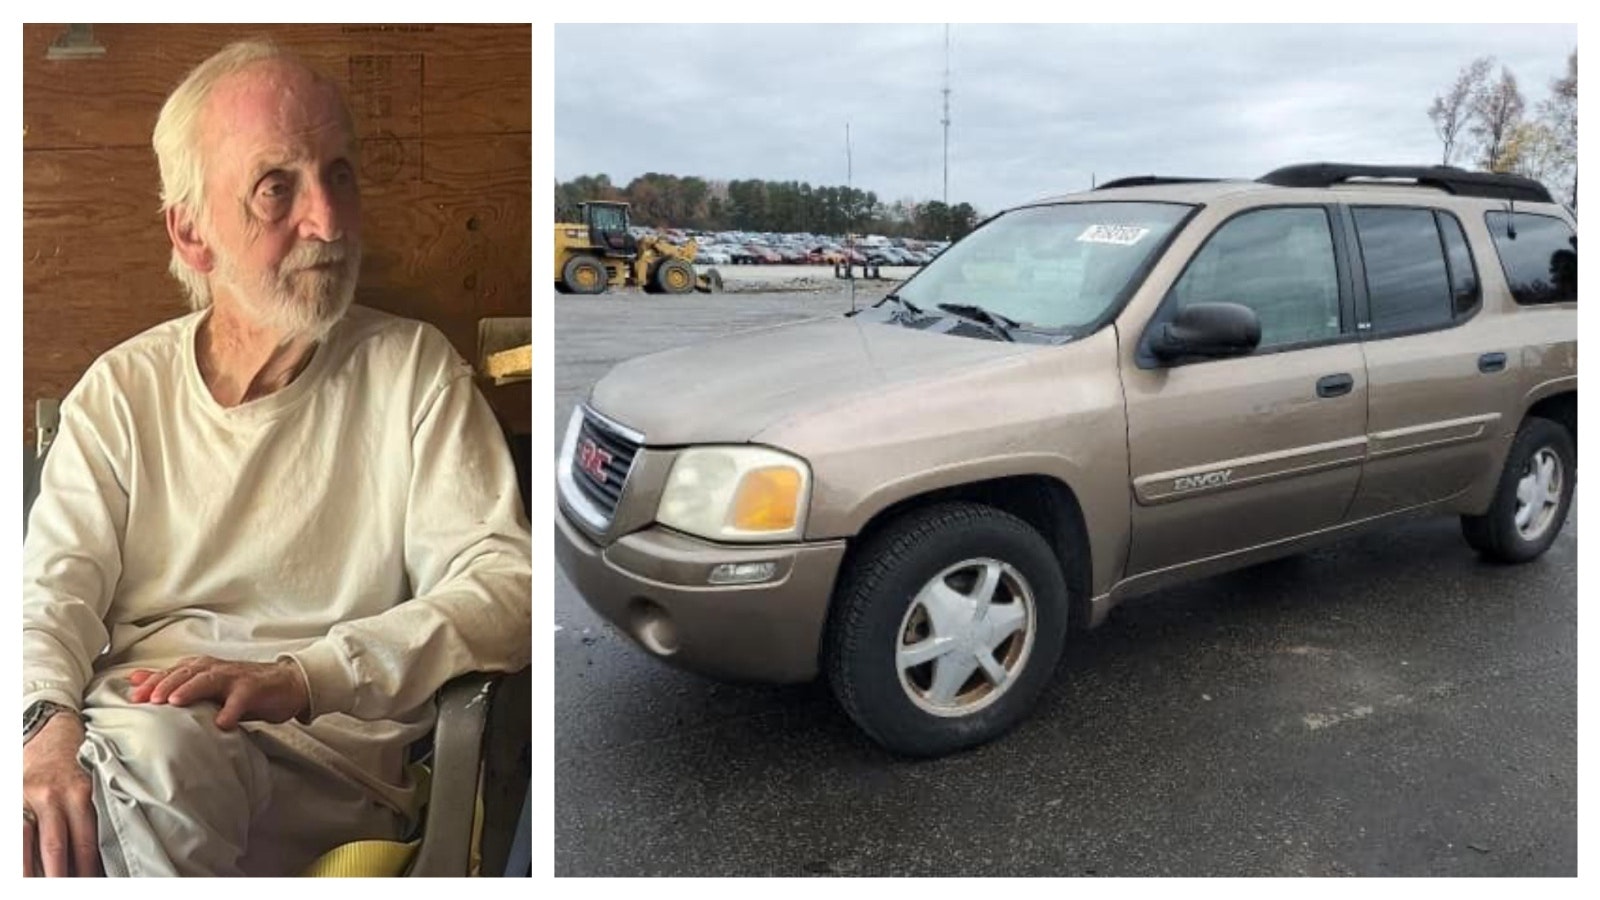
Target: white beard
(291,301)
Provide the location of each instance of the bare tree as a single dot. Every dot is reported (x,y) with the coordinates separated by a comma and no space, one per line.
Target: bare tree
(1560,115)
(1534,150)
(1452,109)
(1496,113)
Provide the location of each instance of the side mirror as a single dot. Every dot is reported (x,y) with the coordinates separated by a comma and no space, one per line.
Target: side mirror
(1207,329)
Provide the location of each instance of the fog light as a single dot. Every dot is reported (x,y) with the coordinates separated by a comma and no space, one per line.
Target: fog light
(654,629)
(743,573)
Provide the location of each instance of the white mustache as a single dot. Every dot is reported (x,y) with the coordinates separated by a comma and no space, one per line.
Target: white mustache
(316,253)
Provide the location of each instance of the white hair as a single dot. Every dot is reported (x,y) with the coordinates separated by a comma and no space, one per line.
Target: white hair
(176,140)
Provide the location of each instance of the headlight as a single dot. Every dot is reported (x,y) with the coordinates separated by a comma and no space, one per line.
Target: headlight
(736,494)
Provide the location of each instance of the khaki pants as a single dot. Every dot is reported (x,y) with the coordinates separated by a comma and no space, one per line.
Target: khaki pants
(175,795)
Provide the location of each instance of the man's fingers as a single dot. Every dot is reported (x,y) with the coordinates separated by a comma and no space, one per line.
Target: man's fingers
(29,839)
(169,683)
(204,685)
(53,840)
(150,681)
(156,685)
(139,676)
(233,710)
(85,835)
(143,687)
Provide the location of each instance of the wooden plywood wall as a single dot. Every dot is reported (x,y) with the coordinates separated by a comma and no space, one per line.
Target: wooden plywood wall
(442,112)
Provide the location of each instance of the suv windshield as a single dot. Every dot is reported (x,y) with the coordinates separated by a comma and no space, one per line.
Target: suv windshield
(1058,266)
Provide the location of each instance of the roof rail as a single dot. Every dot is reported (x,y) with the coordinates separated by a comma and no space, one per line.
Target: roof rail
(1446,178)
(1142,180)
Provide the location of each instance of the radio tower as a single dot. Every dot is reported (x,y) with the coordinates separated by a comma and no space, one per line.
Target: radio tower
(946,119)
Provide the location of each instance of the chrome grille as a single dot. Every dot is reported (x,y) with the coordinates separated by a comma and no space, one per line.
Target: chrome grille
(610,456)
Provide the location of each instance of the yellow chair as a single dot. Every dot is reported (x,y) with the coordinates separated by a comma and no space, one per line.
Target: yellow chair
(475,780)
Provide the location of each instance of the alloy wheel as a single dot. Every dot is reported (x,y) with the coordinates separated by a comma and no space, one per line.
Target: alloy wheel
(966,637)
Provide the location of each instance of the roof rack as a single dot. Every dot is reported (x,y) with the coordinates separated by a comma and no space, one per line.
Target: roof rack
(1446,178)
(1143,180)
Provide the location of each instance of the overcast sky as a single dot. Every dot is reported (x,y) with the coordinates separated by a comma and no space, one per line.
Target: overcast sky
(1035,110)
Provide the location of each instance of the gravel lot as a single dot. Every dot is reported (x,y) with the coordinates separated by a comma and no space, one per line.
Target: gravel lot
(1387,706)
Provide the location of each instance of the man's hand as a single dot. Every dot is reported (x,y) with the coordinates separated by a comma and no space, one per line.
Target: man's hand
(61,837)
(269,692)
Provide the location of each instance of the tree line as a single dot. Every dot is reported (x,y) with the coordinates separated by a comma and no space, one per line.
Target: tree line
(1484,120)
(691,202)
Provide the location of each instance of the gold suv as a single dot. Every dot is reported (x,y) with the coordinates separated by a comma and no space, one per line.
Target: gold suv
(1087,398)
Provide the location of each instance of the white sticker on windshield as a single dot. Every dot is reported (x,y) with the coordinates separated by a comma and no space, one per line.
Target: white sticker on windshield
(1122,235)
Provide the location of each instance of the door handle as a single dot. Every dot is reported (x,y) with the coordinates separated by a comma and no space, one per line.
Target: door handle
(1492,362)
(1335,385)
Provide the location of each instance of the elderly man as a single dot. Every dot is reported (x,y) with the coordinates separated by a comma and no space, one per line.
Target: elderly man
(268,531)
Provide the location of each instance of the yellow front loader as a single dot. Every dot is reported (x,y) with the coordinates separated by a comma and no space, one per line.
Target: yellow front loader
(599,252)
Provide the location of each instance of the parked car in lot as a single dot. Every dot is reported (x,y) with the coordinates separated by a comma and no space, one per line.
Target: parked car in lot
(760,254)
(1086,399)
(710,256)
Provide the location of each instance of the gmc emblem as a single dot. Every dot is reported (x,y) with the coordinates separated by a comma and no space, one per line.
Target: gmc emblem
(593,460)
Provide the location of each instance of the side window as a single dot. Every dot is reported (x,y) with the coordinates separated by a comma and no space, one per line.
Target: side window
(1279,262)
(1539,255)
(1463,274)
(1407,281)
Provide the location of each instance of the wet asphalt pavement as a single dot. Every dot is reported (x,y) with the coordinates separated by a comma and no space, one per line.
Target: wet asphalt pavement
(1387,706)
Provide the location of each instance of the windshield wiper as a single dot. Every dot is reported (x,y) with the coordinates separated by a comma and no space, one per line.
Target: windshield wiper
(904,304)
(907,314)
(1001,324)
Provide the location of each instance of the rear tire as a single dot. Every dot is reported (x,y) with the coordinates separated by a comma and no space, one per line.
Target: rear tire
(921,605)
(584,275)
(1532,498)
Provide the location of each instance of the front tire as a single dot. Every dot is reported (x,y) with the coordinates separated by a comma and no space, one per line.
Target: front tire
(947,627)
(1532,498)
(674,276)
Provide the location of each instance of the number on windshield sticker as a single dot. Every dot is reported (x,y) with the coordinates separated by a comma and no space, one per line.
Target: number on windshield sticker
(1121,235)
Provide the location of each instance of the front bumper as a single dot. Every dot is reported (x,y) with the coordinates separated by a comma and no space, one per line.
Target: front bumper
(653,586)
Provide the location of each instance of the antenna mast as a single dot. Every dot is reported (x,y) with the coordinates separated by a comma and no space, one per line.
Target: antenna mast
(946,119)
(850,215)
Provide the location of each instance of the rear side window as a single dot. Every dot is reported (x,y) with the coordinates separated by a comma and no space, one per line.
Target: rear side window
(1407,281)
(1279,262)
(1539,255)
(1463,274)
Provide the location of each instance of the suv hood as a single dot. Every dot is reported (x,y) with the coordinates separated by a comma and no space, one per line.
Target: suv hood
(730,389)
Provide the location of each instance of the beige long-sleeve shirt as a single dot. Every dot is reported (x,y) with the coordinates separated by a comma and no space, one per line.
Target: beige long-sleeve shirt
(364,521)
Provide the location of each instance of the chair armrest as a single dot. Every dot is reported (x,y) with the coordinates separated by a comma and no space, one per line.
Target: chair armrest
(483,726)
(452,795)
(507,760)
